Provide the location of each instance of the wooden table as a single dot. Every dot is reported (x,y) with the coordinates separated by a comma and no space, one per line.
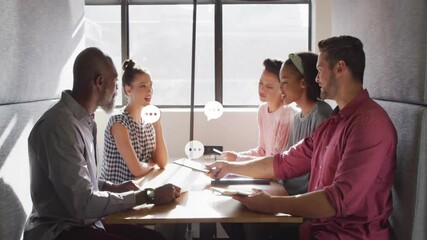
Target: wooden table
(198,204)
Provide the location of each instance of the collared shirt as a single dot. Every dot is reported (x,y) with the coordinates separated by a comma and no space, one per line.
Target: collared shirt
(64,186)
(273,131)
(352,157)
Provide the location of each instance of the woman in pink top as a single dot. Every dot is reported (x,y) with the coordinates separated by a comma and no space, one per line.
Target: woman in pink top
(274,118)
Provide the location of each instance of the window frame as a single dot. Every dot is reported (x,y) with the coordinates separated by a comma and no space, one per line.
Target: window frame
(218,31)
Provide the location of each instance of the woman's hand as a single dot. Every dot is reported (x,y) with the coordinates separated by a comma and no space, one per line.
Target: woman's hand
(229,155)
(218,169)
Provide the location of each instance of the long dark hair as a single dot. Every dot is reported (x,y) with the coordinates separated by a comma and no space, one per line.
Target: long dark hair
(308,61)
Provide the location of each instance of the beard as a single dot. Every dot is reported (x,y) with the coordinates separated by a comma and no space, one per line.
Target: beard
(329,91)
(323,94)
(106,104)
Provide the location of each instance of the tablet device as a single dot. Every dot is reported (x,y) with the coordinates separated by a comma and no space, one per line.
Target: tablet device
(228,192)
(232,179)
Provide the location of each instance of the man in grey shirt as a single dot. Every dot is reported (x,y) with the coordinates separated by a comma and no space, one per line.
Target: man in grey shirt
(68,199)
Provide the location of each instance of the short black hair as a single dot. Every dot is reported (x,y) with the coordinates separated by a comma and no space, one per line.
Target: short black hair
(348,49)
(90,63)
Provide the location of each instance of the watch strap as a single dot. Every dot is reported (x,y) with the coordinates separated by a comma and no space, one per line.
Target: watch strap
(150,195)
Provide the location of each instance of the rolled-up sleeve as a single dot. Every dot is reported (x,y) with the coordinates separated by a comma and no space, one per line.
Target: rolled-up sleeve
(294,162)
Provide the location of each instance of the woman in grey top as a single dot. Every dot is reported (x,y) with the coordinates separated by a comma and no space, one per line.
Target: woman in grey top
(298,84)
(303,126)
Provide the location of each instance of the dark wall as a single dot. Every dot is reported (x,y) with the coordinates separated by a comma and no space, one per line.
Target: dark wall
(38,42)
(394,34)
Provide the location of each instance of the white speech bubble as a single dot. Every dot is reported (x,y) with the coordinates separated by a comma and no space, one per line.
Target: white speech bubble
(194,149)
(213,110)
(150,114)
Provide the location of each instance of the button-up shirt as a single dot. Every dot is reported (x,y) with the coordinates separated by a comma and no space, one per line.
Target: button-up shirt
(64,186)
(352,157)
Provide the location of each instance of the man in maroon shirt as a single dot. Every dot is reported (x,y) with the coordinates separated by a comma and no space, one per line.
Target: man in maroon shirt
(351,157)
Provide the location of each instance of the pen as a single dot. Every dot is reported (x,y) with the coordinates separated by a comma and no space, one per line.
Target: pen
(217,151)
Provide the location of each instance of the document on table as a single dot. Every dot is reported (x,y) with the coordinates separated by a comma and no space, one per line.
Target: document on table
(196,166)
(184,177)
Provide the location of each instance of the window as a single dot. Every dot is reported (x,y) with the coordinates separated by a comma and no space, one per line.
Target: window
(252,33)
(160,38)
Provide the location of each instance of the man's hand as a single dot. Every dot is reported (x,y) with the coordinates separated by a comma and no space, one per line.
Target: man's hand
(229,155)
(258,201)
(166,194)
(162,195)
(218,169)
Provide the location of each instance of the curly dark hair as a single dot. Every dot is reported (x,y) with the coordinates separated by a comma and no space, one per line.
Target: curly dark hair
(309,61)
(273,66)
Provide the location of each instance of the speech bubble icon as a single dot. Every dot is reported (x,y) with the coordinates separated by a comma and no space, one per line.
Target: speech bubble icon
(213,110)
(150,114)
(194,149)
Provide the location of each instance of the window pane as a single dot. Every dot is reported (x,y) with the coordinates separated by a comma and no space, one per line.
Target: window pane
(103,30)
(252,33)
(160,39)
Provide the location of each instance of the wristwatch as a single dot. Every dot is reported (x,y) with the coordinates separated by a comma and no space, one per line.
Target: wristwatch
(151,195)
